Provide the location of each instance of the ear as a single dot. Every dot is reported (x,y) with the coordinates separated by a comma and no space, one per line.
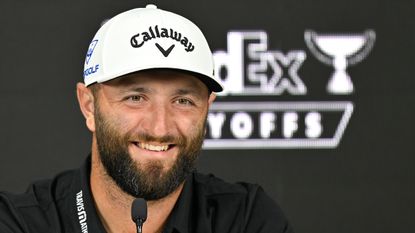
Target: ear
(86,104)
(212,97)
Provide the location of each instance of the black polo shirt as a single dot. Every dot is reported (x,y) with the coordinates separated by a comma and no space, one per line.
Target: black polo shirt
(206,205)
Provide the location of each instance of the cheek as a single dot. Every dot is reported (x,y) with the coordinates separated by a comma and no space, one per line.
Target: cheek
(127,117)
(191,125)
(122,123)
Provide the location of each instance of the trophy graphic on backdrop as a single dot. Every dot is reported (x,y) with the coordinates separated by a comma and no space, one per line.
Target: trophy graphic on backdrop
(340,50)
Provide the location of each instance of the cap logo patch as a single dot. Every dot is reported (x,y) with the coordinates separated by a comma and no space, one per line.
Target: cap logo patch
(155,32)
(91,50)
(165,52)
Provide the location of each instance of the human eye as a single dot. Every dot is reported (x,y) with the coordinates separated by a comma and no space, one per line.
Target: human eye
(134,98)
(184,101)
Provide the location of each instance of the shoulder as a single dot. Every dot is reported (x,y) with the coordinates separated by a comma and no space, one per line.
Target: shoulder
(35,207)
(213,187)
(243,203)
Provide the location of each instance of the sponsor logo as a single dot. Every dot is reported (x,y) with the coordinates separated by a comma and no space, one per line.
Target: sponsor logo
(82,217)
(248,62)
(90,51)
(94,68)
(90,70)
(165,52)
(248,114)
(340,51)
(269,125)
(155,32)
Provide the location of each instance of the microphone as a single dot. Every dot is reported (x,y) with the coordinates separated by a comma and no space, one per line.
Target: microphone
(139,213)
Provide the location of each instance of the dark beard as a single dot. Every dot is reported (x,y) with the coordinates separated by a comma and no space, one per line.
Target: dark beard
(149,180)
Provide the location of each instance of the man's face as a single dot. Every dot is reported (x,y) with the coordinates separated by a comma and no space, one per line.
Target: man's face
(149,130)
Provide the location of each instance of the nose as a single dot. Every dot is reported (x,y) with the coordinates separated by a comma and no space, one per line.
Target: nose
(159,121)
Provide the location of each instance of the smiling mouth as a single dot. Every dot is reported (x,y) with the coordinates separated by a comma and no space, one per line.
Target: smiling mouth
(152,147)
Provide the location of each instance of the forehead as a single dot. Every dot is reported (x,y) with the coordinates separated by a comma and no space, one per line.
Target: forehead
(167,78)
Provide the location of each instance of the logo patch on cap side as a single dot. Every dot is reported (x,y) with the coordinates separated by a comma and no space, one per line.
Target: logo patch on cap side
(155,32)
(90,50)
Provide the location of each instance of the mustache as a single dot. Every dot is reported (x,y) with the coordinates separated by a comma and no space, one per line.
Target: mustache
(146,137)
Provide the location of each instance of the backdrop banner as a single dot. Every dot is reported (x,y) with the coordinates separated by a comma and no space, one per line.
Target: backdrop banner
(318,106)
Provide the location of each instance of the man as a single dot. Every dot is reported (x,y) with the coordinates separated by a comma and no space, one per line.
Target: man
(148,85)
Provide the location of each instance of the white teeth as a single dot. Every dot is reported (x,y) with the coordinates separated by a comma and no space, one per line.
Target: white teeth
(153,147)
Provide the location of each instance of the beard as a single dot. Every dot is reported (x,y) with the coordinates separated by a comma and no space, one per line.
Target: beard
(149,180)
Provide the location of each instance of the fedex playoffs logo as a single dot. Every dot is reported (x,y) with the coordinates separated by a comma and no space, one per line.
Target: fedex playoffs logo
(252,78)
(249,71)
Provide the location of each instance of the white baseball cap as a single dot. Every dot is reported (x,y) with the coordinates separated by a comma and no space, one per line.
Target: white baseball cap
(149,38)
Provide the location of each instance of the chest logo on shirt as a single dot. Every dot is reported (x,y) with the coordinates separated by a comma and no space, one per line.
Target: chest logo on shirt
(81,212)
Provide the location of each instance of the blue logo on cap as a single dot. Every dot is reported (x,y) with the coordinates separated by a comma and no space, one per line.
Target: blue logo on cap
(91,50)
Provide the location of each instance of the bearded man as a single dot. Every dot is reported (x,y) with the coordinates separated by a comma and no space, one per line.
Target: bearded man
(148,85)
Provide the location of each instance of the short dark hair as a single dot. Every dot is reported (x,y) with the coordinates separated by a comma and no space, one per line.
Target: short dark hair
(94,89)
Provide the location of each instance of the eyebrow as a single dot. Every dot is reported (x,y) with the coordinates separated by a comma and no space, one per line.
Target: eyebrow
(135,89)
(138,89)
(181,91)
(185,91)
(189,91)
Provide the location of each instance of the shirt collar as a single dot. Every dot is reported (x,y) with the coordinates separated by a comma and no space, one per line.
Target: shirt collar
(180,219)
(87,218)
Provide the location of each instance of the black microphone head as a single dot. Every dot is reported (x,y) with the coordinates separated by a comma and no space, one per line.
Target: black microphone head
(139,210)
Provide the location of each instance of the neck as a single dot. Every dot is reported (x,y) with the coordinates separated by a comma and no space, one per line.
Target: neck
(114,205)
